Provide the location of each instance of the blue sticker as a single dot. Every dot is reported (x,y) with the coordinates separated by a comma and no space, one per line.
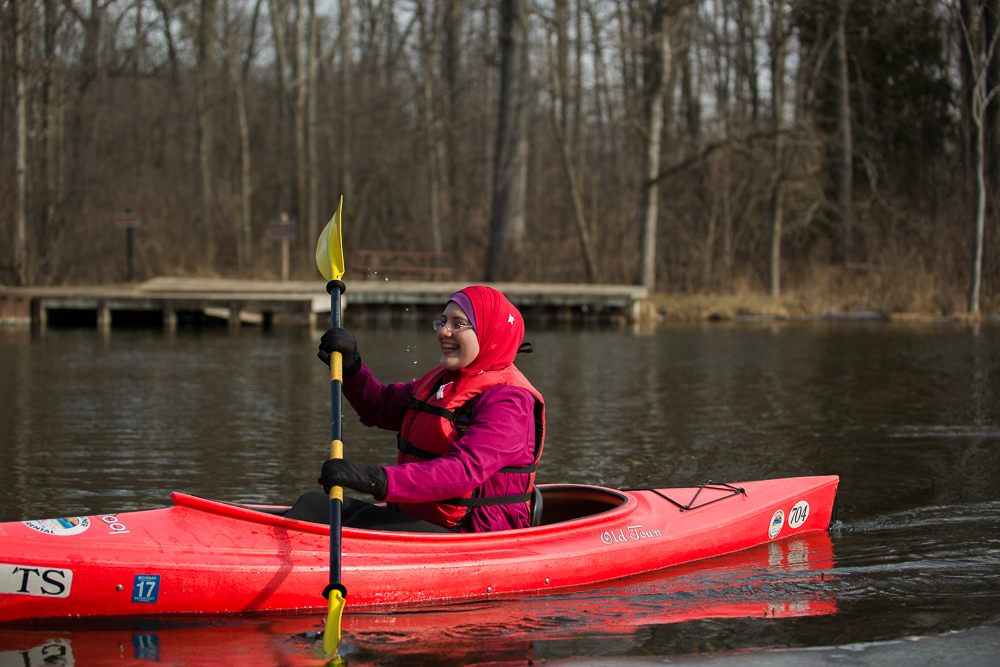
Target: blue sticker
(146,588)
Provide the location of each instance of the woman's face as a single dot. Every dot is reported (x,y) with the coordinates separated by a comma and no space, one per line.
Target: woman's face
(458,348)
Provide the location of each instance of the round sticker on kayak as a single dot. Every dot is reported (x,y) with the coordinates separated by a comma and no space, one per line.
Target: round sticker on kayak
(777,521)
(799,514)
(73,525)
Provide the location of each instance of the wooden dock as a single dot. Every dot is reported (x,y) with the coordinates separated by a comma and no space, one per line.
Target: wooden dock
(165,301)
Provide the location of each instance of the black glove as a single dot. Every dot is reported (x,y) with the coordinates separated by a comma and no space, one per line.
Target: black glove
(340,340)
(353,475)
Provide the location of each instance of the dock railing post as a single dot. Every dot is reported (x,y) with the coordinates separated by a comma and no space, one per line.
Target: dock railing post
(103,314)
(169,316)
(39,316)
(234,315)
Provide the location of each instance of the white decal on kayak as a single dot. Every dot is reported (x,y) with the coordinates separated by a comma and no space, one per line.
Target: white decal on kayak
(36,580)
(52,652)
(799,514)
(117,527)
(610,537)
(73,525)
(777,521)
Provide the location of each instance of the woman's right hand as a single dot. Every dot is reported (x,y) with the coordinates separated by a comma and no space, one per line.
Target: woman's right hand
(339,339)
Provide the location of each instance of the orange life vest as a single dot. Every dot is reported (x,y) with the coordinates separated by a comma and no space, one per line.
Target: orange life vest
(433,421)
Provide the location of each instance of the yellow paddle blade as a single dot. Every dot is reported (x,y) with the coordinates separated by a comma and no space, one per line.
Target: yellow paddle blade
(330,248)
(331,636)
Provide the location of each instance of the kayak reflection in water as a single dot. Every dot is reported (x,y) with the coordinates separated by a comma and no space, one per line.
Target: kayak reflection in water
(470,432)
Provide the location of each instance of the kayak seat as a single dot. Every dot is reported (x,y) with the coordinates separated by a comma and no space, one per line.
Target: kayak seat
(536,507)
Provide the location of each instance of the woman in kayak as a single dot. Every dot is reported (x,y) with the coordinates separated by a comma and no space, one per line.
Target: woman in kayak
(470,432)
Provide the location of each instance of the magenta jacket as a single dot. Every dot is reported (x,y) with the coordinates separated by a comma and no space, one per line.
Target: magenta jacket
(501,434)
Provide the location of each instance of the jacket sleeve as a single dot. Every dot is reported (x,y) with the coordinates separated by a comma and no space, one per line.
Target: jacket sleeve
(377,404)
(501,434)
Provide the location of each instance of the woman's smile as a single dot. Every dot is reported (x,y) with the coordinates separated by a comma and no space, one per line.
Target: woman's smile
(458,348)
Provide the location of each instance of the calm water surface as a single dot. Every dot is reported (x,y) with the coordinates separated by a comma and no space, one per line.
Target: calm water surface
(907,415)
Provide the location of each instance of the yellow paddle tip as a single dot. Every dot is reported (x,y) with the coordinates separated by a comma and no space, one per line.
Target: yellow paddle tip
(331,635)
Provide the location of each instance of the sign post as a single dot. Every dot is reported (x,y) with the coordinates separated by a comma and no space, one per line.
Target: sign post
(128,220)
(282,230)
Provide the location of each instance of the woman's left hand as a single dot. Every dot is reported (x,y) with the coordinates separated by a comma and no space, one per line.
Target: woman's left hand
(353,475)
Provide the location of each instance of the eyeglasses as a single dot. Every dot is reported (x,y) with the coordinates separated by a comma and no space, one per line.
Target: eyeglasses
(454,327)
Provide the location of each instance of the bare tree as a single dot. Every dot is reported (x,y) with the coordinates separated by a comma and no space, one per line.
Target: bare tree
(279,10)
(845,185)
(779,39)
(54,103)
(981,54)
(559,80)
(206,134)
(238,68)
(343,111)
(312,128)
(510,176)
(21,268)
(431,21)
(658,56)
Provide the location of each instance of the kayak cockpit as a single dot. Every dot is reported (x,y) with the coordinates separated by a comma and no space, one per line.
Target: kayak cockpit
(558,503)
(565,502)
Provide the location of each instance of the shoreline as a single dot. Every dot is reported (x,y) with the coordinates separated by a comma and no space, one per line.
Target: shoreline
(681,307)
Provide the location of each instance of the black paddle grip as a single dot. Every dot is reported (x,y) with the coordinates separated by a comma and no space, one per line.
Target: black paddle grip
(339,284)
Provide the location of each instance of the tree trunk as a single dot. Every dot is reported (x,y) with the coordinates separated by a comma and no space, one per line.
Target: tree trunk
(347,182)
(708,255)
(980,221)
(991,121)
(279,28)
(244,250)
(689,99)
(430,46)
(453,148)
(21,268)
(658,65)
(53,116)
(778,126)
(301,140)
(559,125)
(311,127)
(727,218)
(510,176)
(206,61)
(845,195)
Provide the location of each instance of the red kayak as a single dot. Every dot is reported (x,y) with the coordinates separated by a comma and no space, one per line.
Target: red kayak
(208,557)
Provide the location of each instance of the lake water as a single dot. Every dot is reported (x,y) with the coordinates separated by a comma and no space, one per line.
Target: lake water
(907,414)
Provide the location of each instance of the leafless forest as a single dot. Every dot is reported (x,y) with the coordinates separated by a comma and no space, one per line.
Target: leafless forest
(721,146)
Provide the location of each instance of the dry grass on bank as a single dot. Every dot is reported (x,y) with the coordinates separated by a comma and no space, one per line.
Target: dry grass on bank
(860,290)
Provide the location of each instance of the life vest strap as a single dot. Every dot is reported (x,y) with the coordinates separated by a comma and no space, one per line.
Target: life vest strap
(423,406)
(408,447)
(488,502)
(526,470)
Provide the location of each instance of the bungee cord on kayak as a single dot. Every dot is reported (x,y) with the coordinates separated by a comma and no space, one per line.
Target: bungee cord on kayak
(735,491)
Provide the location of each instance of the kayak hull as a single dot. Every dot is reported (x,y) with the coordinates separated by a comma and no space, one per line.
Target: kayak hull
(208,557)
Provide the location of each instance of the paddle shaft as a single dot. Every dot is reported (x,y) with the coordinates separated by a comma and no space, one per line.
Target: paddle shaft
(336,445)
